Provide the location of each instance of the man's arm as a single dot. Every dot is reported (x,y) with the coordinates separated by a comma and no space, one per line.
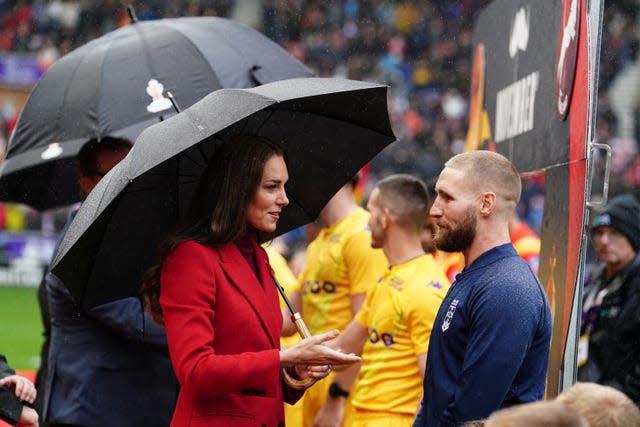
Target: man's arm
(498,343)
(352,340)
(628,381)
(125,317)
(356,303)
(128,318)
(422,365)
(5,369)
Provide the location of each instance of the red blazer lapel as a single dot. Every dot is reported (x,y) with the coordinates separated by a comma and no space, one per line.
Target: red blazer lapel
(259,295)
(269,288)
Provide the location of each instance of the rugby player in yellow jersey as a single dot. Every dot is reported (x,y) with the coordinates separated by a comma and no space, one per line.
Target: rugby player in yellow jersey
(392,329)
(340,266)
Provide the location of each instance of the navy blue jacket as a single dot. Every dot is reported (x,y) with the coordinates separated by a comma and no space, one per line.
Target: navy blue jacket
(108,366)
(490,342)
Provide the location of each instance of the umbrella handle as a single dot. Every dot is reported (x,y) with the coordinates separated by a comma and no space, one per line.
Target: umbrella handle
(303,331)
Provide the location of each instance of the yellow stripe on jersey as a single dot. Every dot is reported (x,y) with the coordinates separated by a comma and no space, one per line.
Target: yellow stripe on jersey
(399,313)
(340,263)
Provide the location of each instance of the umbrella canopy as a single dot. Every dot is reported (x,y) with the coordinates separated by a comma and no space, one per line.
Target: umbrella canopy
(115,85)
(330,128)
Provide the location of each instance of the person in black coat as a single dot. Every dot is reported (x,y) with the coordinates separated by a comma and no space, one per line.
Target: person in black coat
(108,365)
(609,349)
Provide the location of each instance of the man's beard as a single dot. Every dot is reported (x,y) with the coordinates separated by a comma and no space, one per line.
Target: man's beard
(459,238)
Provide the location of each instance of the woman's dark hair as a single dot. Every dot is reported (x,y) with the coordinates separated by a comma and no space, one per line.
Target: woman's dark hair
(219,206)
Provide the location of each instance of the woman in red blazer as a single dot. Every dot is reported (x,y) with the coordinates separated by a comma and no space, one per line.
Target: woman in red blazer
(215,293)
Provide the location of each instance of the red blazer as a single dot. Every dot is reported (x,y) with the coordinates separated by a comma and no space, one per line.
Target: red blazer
(223,328)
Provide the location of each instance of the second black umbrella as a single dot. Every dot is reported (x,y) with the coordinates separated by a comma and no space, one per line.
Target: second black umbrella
(116,85)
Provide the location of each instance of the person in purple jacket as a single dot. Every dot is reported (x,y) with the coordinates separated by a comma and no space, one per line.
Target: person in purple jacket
(490,343)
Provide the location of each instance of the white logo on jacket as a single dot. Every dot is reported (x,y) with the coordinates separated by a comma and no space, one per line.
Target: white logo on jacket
(450,311)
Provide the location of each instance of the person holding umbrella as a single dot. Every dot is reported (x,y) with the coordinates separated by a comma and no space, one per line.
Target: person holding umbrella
(106,365)
(214,291)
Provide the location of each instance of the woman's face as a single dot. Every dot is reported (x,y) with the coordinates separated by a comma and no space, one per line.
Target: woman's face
(270,197)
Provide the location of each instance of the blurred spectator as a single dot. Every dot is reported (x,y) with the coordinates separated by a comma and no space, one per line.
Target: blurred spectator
(421,49)
(525,241)
(609,350)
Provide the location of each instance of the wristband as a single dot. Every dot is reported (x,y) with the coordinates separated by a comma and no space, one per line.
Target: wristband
(336,391)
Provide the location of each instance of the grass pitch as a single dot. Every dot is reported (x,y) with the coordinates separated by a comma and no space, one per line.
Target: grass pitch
(20,327)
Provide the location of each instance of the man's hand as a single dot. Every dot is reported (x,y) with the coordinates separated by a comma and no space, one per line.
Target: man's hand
(28,418)
(21,387)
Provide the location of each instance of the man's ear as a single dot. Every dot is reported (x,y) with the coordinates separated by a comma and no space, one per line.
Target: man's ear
(386,217)
(488,203)
(86,184)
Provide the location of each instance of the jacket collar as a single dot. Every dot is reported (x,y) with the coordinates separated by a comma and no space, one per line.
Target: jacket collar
(259,291)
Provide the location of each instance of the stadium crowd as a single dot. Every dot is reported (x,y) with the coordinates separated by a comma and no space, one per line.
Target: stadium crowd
(421,49)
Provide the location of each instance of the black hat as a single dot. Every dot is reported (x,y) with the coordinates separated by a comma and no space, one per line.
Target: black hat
(623,214)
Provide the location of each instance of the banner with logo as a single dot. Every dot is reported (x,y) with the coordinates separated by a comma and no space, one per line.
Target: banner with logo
(530,100)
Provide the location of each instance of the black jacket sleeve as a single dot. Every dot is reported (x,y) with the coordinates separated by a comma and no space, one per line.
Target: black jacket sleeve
(5,370)
(10,407)
(629,379)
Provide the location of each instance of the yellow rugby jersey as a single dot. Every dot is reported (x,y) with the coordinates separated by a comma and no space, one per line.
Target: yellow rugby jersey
(398,312)
(340,263)
(287,280)
(282,271)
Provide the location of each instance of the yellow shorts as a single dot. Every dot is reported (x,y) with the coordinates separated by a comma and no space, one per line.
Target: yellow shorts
(361,418)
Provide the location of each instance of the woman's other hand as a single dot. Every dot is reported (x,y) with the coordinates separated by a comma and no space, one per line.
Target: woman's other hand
(314,356)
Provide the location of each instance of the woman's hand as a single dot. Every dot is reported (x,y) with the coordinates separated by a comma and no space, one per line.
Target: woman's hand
(314,357)
(315,371)
(21,387)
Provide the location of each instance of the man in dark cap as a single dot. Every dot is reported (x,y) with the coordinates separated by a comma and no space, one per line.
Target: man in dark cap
(609,350)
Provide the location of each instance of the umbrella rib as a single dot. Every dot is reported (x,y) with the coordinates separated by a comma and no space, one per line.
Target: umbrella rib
(203,155)
(195,159)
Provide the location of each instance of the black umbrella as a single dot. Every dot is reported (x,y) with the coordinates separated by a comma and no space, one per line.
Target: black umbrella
(115,85)
(331,128)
